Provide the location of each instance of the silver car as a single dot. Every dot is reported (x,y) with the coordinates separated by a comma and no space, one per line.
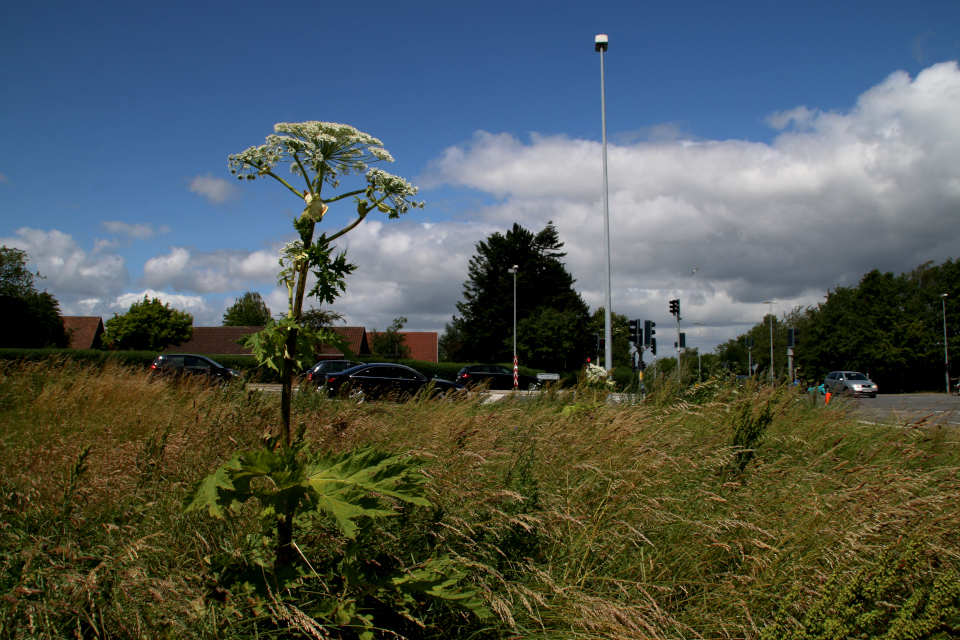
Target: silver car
(850,383)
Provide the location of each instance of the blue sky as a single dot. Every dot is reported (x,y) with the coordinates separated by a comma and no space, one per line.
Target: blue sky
(784,148)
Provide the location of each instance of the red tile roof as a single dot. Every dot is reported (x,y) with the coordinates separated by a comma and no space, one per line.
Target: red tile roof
(222,341)
(424,345)
(357,339)
(85,332)
(216,341)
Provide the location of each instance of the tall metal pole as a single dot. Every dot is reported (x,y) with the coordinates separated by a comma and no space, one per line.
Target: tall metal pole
(514,272)
(600,44)
(946,355)
(771,336)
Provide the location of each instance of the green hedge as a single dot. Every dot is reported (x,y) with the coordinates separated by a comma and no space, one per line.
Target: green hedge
(247,364)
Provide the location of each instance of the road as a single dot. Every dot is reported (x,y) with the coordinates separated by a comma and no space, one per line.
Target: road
(903,409)
(909,408)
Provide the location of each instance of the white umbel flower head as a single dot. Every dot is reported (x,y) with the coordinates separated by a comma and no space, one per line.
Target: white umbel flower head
(327,149)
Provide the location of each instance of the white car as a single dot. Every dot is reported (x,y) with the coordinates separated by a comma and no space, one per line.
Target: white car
(850,383)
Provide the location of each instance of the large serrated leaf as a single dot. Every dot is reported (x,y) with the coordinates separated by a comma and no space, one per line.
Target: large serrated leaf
(215,493)
(343,481)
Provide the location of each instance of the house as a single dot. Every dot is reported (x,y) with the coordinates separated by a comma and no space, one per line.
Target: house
(424,345)
(85,332)
(223,341)
(356,338)
(215,341)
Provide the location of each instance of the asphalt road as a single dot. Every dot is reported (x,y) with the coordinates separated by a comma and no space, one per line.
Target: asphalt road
(909,408)
(902,409)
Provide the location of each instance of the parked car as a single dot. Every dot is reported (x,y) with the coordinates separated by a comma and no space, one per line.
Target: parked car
(495,376)
(181,364)
(851,383)
(317,374)
(376,380)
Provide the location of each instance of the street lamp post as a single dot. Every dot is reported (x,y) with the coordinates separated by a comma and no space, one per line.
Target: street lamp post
(699,367)
(515,372)
(946,355)
(600,45)
(771,303)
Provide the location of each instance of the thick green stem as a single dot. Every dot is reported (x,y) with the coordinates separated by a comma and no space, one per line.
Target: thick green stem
(284,554)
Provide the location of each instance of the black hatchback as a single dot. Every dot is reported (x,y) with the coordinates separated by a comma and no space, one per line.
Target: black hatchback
(317,374)
(189,364)
(495,376)
(385,380)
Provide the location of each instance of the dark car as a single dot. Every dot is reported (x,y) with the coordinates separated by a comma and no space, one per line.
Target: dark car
(495,376)
(385,380)
(184,364)
(850,383)
(317,374)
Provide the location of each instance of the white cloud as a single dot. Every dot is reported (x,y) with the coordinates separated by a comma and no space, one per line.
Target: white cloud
(69,273)
(834,196)
(216,190)
(138,231)
(197,306)
(410,269)
(219,271)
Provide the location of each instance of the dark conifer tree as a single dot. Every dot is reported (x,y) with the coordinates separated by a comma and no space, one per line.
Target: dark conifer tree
(484,328)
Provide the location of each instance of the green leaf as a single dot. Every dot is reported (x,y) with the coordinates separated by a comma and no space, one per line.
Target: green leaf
(343,481)
(214,493)
(439,578)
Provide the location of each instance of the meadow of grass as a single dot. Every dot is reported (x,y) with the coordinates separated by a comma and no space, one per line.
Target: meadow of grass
(726,513)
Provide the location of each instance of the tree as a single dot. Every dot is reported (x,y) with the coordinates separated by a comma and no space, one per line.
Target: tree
(15,279)
(485,325)
(552,339)
(391,342)
(28,318)
(450,343)
(735,357)
(619,330)
(248,311)
(317,319)
(888,326)
(149,325)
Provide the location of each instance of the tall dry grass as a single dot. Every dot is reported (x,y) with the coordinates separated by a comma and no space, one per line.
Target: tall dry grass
(577,520)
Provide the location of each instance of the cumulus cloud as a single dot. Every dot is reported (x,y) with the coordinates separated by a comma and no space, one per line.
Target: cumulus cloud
(136,231)
(835,195)
(407,268)
(69,272)
(216,190)
(185,269)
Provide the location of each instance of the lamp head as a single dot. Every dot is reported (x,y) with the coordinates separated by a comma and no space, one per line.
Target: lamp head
(600,42)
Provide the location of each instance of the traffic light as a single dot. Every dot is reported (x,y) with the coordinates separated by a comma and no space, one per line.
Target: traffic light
(683,340)
(648,331)
(596,341)
(603,345)
(634,334)
(653,346)
(792,337)
(675,308)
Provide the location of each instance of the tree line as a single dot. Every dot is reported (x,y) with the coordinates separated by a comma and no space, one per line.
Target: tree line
(888,326)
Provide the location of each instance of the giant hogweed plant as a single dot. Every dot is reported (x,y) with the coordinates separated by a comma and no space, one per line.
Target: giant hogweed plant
(319,154)
(294,487)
